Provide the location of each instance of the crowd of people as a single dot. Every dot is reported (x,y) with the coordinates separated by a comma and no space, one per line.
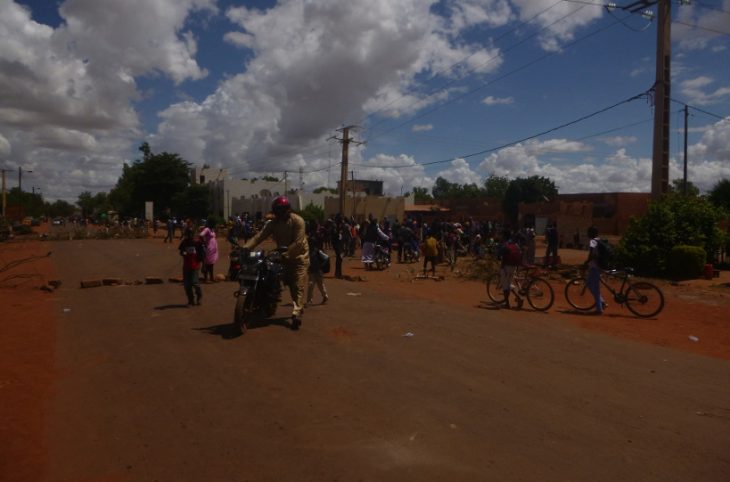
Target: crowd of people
(410,240)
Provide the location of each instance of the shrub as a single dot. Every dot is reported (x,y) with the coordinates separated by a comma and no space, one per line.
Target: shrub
(671,221)
(686,262)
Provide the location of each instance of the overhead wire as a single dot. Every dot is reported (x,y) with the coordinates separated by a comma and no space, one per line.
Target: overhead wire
(700,110)
(727,34)
(518,141)
(461,61)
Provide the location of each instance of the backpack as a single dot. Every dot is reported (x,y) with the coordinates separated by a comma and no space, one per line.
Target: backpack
(512,255)
(604,253)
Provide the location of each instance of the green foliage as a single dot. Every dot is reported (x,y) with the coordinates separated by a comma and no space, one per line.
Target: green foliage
(677,187)
(444,189)
(33,204)
(421,195)
(673,220)
(59,209)
(270,179)
(193,201)
(686,262)
(496,186)
(325,189)
(312,212)
(156,177)
(720,194)
(527,190)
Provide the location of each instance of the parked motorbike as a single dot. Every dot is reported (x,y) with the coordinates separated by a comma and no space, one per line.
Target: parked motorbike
(234,262)
(260,288)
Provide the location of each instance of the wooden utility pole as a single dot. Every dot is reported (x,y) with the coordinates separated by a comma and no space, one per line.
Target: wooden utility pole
(660,153)
(343,171)
(684,183)
(5,200)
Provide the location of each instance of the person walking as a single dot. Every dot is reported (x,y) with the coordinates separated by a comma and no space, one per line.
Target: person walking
(207,234)
(288,230)
(193,252)
(551,238)
(170,230)
(593,278)
(340,236)
(315,271)
(371,235)
(511,256)
(430,253)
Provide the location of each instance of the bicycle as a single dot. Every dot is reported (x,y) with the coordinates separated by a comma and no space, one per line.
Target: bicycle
(641,298)
(526,283)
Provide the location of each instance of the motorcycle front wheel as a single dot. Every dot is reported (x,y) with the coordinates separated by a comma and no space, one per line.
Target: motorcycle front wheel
(242,313)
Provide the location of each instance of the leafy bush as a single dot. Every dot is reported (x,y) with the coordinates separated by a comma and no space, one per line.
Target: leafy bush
(673,220)
(686,262)
(312,212)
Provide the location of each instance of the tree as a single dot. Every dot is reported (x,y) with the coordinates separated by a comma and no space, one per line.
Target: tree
(86,203)
(312,212)
(32,203)
(527,190)
(720,194)
(270,179)
(59,208)
(444,189)
(193,201)
(671,221)
(155,177)
(677,186)
(325,189)
(496,186)
(421,195)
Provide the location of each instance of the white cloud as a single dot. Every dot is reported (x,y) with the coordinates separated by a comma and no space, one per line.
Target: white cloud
(461,173)
(489,100)
(560,20)
(67,92)
(619,141)
(694,90)
(697,26)
(422,127)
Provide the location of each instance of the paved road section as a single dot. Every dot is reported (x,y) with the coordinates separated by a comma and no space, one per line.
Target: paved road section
(152,390)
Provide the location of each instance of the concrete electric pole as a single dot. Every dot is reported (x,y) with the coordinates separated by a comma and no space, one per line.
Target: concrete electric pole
(660,148)
(343,172)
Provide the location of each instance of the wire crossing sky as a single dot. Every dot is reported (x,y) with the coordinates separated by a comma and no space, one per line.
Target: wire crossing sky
(459,89)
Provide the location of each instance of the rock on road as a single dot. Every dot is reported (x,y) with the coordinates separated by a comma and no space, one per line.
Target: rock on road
(151,390)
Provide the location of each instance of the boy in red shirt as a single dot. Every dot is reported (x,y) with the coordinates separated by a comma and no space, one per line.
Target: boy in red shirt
(193,252)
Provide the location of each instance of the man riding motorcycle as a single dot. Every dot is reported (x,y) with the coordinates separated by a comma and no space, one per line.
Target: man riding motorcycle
(288,229)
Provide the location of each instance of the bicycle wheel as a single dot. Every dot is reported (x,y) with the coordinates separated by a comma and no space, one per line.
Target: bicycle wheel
(540,294)
(644,299)
(494,289)
(578,295)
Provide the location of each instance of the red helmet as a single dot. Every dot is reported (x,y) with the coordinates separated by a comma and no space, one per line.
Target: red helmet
(280,205)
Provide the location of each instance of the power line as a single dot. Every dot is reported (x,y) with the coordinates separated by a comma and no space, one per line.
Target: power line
(727,34)
(446,69)
(700,110)
(548,131)
(712,7)
(472,91)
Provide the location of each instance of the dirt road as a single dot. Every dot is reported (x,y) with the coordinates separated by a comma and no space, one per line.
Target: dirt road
(147,389)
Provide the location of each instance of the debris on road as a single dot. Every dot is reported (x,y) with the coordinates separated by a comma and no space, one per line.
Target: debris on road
(354,294)
(694,338)
(111,281)
(151,280)
(93,283)
(408,335)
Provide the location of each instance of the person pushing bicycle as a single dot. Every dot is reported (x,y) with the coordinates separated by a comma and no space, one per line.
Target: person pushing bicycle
(511,256)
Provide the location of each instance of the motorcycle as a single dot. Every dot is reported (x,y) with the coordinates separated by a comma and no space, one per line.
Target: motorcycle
(381,258)
(234,262)
(260,288)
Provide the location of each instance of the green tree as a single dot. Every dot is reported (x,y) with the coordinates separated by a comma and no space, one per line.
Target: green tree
(60,208)
(673,220)
(527,190)
(32,203)
(325,189)
(720,194)
(312,212)
(677,186)
(270,179)
(421,195)
(86,203)
(155,177)
(443,189)
(496,186)
(193,201)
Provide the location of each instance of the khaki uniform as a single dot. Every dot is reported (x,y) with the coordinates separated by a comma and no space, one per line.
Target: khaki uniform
(289,232)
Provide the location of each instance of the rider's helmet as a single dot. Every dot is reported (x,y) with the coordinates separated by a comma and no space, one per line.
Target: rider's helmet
(280,205)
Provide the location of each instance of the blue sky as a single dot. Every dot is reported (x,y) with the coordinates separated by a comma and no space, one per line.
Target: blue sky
(436,88)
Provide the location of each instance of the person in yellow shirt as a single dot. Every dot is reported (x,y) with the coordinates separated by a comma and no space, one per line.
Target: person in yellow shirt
(430,253)
(288,229)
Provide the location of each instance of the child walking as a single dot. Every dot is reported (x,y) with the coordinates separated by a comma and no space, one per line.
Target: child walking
(315,271)
(193,252)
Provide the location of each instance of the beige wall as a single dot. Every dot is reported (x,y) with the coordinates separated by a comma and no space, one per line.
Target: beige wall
(362,206)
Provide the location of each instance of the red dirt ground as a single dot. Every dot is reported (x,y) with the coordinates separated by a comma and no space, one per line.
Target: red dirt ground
(27,335)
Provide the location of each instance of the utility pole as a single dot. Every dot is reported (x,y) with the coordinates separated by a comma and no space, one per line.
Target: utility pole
(285,184)
(5,199)
(660,147)
(686,116)
(301,179)
(343,172)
